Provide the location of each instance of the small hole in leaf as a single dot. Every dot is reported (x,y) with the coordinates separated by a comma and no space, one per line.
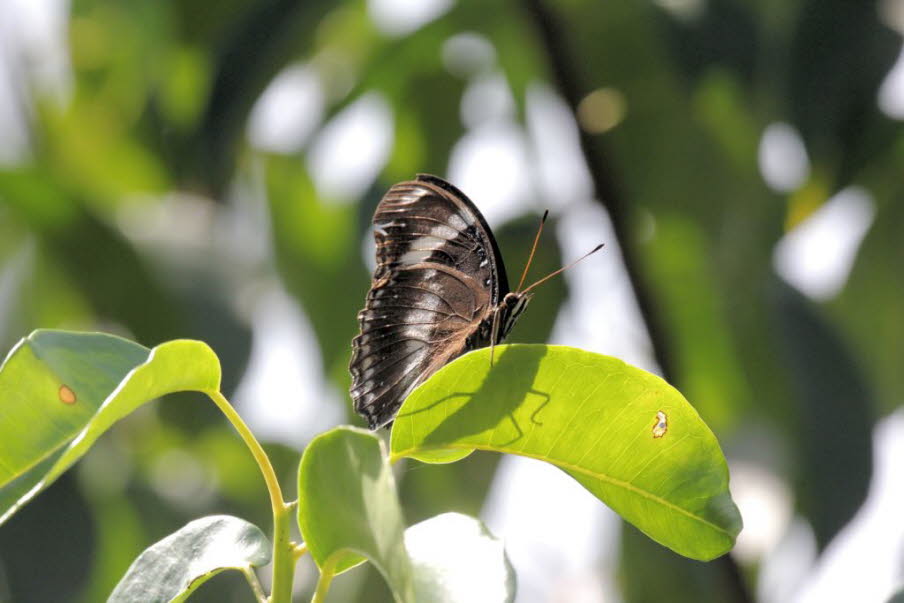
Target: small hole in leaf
(67,396)
(661,425)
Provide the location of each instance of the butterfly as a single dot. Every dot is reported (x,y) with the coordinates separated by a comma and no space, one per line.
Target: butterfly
(439,290)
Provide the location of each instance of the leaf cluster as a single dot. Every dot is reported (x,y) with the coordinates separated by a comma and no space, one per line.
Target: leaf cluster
(628,437)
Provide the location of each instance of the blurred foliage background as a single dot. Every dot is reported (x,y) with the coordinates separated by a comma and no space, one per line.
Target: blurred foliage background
(208,170)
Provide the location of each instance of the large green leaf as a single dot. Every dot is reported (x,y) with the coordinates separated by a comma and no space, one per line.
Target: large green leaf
(348,508)
(60,391)
(173,568)
(626,435)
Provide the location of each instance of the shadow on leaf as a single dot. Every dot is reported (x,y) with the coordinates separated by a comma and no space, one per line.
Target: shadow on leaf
(484,408)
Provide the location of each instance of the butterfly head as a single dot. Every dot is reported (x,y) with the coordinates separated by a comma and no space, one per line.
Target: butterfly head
(511,308)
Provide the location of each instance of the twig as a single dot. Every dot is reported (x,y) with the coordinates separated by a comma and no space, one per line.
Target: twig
(283,560)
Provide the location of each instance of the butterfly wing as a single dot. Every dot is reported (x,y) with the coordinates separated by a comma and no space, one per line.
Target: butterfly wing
(439,275)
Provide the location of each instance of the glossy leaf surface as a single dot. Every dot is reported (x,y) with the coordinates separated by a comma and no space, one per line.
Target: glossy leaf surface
(348,509)
(627,436)
(173,568)
(60,391)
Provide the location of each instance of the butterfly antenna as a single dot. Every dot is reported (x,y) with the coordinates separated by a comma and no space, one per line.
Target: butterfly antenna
(564,268)
(530,258)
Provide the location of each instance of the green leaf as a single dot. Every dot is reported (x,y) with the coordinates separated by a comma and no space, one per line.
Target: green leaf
(173,568)
(60,391)
(348,507)
(455,558)
(626,435)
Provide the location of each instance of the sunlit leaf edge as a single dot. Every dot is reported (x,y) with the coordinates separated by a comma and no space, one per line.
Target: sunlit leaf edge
(177,565)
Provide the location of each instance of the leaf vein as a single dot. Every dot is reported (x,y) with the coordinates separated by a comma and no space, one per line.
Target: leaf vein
(584,471)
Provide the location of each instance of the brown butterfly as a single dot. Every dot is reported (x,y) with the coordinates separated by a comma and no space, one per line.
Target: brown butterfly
(439,290)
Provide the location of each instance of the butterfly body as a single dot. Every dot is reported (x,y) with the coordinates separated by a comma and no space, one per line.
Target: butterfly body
(439,290)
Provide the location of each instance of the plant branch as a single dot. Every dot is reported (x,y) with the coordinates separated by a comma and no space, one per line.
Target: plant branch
(257,451)
(565,73)
(283,558)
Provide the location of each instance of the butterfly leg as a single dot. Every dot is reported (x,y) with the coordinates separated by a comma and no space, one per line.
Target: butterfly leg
(494,335)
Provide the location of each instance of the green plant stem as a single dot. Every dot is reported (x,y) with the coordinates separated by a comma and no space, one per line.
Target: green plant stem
(255,584)
(323,584)
(283,558)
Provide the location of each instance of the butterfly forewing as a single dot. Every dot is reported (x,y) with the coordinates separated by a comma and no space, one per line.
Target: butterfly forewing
(438,278)
(430,220)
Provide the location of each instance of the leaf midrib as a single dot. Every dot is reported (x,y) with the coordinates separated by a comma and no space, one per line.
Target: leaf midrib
(16,474)
(577,469)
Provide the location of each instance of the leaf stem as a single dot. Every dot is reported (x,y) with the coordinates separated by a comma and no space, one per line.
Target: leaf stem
(323,583)
(251,576)
(257,451)
(283,557)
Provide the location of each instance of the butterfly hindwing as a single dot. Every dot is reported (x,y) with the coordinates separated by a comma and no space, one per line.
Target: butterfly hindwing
(438,277)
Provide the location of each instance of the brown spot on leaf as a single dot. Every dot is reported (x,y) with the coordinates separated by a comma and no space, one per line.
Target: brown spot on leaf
(660,425)
(67,396)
